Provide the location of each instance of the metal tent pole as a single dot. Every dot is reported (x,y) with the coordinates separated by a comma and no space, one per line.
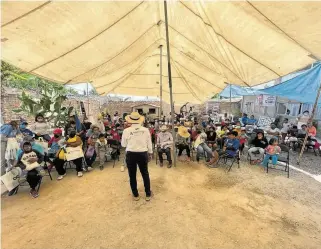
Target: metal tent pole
(310,120)
(230,101)
(170,82)
(161,81)
(88,99)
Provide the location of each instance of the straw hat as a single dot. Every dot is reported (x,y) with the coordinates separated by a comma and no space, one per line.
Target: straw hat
(163,128)
(183,132)
(134,118)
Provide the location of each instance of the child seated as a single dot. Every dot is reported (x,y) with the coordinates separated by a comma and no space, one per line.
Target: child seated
(101,149)
(272,151)
(232,145)
(243,138)
(90,155)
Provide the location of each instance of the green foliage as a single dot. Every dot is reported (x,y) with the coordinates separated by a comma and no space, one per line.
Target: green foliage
(49,104)
(14,78)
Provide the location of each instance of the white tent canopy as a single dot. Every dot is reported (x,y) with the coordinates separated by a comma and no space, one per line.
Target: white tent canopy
(116,44)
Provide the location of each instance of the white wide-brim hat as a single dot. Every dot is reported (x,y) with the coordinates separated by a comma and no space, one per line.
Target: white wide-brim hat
(134,118)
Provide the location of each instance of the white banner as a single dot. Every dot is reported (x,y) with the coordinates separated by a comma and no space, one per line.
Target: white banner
(265,100)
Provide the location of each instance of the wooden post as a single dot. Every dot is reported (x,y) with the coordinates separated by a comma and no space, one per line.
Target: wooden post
(170,82)
(161,81)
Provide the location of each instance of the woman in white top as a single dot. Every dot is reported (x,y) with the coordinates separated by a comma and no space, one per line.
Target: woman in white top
(41,128)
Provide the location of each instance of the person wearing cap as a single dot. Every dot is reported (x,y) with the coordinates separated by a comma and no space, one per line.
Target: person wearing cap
(23,129)
(259,144)
(183,141)
(55,143)
(164,143)
(138,143)
(29,160)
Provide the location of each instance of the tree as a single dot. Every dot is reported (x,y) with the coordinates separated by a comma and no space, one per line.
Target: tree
(50,104)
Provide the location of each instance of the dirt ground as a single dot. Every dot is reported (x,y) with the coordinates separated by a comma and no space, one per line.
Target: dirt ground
(192,207)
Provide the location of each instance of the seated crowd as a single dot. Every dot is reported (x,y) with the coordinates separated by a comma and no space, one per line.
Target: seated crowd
(96,141)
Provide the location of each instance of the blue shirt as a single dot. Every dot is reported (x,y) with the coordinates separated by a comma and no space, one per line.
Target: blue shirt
(232,146)
(245,120)
(26,132)
(252,121)
(8,131)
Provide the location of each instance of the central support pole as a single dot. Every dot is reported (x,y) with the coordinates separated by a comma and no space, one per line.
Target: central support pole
(170,82)
(161,81)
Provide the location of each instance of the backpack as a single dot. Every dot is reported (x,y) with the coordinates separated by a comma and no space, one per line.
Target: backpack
(54,148)
(90,152)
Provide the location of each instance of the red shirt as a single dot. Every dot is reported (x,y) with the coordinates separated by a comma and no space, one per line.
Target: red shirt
(115,135)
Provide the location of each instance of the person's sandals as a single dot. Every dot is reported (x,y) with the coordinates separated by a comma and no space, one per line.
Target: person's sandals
(90,168)
(101,167)
(34,193)
(136,198)
(169,165)
(80,174)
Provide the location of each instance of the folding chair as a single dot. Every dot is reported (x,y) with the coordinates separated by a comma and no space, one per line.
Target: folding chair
(45,166)
(225,157)
(23,183)
(284,157)
(162,154)
(115,145)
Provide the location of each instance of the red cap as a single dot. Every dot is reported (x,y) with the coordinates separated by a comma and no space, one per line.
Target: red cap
(57,131)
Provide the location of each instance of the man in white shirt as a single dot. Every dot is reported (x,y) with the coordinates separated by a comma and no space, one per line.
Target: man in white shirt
(273,132)
(164,143)
(138,143)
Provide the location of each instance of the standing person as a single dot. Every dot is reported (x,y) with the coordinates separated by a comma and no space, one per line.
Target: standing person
(164,143)
(285,129)
(183,141)
(41,128)
(101,149)
(9,144)
(138,143)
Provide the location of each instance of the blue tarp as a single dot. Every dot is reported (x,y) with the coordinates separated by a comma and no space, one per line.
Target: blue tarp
(302,88)
(237,91)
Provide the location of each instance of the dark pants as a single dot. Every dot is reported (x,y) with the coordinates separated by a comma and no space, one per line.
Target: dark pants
(59,165)
(45,137)
(90,161)
(141,159)
(33,178)
(182,147)
(167,151)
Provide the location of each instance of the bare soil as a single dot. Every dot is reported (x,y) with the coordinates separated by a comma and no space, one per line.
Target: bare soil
(192,207)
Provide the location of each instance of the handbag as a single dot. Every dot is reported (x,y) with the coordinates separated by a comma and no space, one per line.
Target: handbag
(11,178)
(72,153)
(43,144)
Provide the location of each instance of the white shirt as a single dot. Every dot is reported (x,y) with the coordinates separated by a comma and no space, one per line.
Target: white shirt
(137,139)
